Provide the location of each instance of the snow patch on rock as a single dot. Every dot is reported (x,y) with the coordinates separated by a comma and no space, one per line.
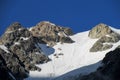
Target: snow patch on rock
(4,48)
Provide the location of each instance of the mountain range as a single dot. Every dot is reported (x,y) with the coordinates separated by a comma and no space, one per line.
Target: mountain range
(48,51)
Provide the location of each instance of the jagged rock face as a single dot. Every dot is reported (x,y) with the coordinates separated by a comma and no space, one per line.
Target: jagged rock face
(105,38)
(99,30)
(105,42)
(51,34)
(13,27)
(16,34)
(4,71)
(24,51)
(109,70)
(13,65)
(28,52)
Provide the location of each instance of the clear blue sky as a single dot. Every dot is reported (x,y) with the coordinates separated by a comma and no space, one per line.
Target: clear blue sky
(80,15)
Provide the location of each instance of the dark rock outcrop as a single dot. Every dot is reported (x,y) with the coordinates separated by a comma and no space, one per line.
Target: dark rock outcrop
(109,70)
(51,34)
(14,33)
(5,73)
(12,66)
(21,42)
(14,26)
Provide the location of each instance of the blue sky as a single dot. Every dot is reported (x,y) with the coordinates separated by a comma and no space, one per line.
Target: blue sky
(80,15)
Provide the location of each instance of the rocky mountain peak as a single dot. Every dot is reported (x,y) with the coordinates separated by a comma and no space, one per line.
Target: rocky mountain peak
(105,37)
(49,33)
(14,26)
(46,23)
(23,49)
(14,33)
(99,30)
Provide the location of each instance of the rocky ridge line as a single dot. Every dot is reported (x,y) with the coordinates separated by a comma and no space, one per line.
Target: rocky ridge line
(20,50)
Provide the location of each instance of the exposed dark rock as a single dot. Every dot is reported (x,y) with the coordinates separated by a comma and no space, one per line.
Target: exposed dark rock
(14,36)
(13,65)
(24,52)
(13,27)
(5,73)
(109,70)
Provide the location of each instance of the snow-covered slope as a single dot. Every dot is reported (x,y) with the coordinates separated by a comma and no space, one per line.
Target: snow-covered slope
(70,59)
